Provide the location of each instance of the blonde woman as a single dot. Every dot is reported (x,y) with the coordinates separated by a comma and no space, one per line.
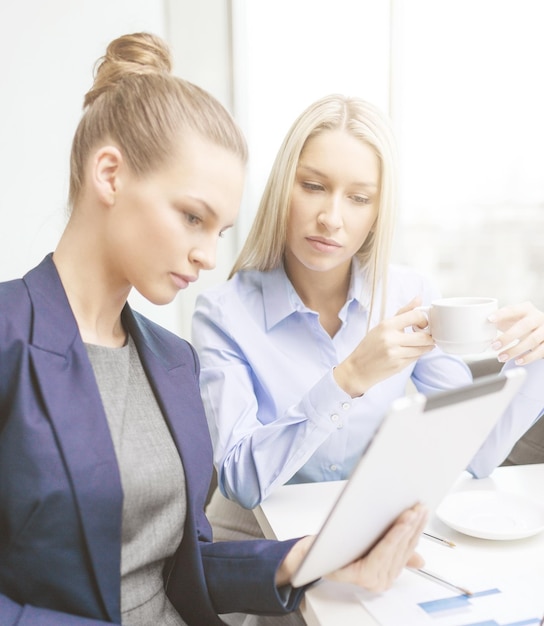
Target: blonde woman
(306,345)
(105,456)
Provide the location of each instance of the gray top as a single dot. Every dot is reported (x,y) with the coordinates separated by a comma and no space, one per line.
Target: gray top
(153,481)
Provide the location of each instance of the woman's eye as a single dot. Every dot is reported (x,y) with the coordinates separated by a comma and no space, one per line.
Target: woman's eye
(193,219)
(361,199)
(312,186)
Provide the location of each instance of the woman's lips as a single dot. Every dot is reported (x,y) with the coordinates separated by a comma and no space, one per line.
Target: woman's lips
(322,244)
(181,281)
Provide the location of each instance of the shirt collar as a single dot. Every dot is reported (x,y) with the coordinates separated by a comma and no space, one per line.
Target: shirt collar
(359,287)
(278,296)
(281,299)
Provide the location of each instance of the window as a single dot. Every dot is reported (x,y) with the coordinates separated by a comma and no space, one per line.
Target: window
(462,82)
(467,104)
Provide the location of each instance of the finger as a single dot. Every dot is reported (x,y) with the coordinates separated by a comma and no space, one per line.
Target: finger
(519,350)
(520,329)
(415,561)
(400,348)
(409,354)
(416,339)
(402,355)
(412,317)
(399,558)
(371,571)
(524,358)
(507,315)
(529,349)
(530,357)
(381,565)
(406,551)
(397,547)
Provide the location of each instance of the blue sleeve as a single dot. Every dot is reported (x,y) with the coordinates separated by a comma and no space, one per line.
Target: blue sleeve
(438,371)
(247,569)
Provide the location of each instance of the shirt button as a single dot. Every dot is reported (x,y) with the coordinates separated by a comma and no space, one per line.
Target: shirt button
(333,468)
(334,417)
(339,426)
(346,406)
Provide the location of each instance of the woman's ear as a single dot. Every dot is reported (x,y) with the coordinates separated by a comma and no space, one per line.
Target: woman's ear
(105,173)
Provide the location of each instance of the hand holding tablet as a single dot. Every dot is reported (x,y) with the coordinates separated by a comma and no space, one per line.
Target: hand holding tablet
(418,452)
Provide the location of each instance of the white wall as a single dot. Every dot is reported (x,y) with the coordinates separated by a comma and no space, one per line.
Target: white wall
(48,51)
(470,129)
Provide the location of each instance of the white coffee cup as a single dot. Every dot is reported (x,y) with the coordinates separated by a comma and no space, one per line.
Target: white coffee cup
(460,325)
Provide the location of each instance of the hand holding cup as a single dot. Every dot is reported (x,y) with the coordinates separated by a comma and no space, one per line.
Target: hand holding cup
(461,325)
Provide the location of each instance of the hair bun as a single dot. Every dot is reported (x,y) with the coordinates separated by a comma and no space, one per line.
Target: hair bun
(138,53)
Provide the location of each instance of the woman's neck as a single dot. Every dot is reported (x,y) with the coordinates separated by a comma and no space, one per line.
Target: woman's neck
(95,298)
(324,292)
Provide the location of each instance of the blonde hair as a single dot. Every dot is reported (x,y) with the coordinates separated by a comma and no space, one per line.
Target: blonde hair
(137,103)
(265,245)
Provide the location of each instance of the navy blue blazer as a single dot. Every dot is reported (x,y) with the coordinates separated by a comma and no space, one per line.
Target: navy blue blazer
(60,489)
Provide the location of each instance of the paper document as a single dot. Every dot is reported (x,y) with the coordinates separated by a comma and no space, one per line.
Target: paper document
(415,601)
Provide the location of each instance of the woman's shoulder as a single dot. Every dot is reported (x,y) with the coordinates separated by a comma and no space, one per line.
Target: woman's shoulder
(15,306)
(15,332)
(169,347)
(154,332)
(13,293)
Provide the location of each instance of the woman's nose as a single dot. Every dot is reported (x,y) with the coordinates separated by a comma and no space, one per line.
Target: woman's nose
(204,257)
(331,214)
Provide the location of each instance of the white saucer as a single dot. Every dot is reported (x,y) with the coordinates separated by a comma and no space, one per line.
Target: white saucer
(492,514)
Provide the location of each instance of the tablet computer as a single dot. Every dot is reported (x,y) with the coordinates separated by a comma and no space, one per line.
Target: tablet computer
(420,449)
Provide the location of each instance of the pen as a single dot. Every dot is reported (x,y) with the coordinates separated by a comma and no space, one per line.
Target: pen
(442,581)
(441,540)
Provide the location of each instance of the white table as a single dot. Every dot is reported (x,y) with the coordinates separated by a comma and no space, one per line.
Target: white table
(295,510)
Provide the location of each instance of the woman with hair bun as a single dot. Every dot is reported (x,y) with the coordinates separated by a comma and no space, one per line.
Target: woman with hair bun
(105,455)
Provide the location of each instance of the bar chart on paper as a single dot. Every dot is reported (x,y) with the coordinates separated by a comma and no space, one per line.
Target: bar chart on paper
(414,602)
(457,605)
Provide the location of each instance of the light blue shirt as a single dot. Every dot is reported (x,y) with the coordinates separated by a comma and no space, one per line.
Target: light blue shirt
(275,412)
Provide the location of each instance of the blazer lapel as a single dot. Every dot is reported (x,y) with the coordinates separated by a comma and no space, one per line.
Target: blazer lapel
(173,374)
(74,407)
